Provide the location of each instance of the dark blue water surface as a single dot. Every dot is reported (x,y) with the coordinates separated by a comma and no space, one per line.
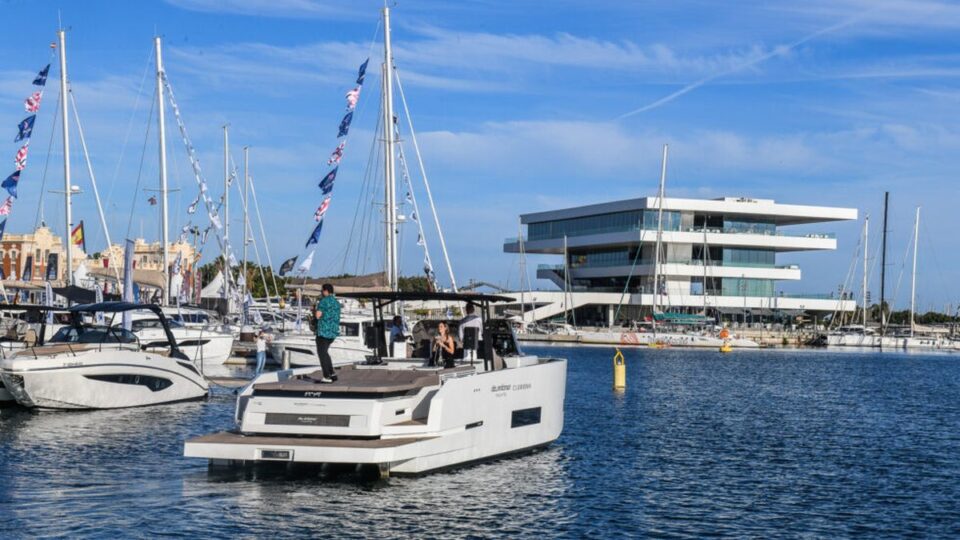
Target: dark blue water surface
(756,443)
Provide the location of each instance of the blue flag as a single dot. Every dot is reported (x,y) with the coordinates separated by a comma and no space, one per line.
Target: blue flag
(10,184)
(345,124)
(42,76)
(315,235)
(327,183)
(26,128)
(3,226)
(361,75)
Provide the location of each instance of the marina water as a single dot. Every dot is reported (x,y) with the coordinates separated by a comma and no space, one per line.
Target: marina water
(755,443)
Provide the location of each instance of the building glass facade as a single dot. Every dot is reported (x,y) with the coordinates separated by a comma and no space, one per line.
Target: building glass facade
(613,222)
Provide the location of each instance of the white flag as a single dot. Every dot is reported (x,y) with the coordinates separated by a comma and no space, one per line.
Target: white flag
(306,264)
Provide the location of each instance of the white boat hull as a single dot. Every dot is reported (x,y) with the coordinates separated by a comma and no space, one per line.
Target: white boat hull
(100,379)
(199,345)
(891,342)
(641,339)
(302,351)
(470,417)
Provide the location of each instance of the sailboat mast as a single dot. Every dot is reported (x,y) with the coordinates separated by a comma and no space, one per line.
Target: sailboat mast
(656,255)
(866,234)
(390,205)
(883,265)
(913,278)
(66,154)
(226,212)
(523,274)
(163,175)
(246,205)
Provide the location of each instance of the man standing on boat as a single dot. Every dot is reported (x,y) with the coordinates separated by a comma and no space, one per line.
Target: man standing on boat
(327,313)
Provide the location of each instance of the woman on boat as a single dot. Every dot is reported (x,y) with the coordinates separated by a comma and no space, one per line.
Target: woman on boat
(444,347)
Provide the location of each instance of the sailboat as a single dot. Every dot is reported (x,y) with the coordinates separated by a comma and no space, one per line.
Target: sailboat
(500,403)
(657,337)
(866,337)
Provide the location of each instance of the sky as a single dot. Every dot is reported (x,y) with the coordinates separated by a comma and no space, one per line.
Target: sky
(519,107)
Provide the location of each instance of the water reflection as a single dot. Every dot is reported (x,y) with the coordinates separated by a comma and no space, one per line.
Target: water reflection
(755,444)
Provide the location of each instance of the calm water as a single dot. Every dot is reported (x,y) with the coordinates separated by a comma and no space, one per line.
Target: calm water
(746,444)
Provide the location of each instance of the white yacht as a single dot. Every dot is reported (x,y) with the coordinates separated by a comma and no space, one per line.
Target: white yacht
(19,334)
(300,348)
(400,415)
(207,344)
(101,367)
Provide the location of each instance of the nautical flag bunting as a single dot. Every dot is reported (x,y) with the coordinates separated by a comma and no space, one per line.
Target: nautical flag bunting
(6,207)
(337,154)
(352,97)
(287,266)
(10,184)
(326,185)
(32,103)
(25,128)
(361,73)
(20,161)
(315,235)
(318,216)
(41,78)
(345,124)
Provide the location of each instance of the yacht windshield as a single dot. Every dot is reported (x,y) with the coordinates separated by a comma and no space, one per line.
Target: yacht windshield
(93,334)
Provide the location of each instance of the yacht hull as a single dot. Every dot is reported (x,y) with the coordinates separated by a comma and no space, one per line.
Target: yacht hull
(302,351)
(642,339)
(100,380)
(211,348)
(891,342)
(468,419)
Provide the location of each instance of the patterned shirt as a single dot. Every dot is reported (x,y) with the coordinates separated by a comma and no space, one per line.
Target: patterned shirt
(329,324)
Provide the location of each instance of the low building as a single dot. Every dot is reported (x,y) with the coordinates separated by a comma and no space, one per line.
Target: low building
(37,256)
(718,257)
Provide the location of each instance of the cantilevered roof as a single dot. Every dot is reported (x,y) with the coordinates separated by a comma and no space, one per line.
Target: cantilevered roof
(767,209)
(387,296)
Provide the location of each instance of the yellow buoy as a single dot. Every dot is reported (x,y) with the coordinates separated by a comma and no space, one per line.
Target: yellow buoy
(619,371)
(726,347)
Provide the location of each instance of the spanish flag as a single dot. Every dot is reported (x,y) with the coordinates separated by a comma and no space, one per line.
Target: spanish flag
(77,238)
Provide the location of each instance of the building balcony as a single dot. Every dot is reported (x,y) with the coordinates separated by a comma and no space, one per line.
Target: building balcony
(687,268)
(781,242)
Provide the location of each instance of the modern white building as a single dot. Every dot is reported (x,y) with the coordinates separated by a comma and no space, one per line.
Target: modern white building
(718,257)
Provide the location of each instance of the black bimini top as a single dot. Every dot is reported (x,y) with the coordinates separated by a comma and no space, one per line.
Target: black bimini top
(392,296)
(114,307)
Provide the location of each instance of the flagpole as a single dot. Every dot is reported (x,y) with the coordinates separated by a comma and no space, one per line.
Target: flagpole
(61,35)
(165,298)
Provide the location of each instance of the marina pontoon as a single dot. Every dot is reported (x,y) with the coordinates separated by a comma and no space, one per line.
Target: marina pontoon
(401,415)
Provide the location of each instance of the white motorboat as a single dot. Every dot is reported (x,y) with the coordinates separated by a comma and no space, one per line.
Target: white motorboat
(101,367)
(401,415)
(300,348)
(19,334)
(209,345)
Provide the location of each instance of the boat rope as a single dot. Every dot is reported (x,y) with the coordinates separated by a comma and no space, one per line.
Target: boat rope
(426,182)
(46,163)
(633,267)
(847,286)
(93,183)
(415,216)
(247,228)
(266,245)
(143,154)
(212,209)
(126,136)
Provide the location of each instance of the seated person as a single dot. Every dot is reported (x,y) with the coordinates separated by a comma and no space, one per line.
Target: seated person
(396,333)
(444,347)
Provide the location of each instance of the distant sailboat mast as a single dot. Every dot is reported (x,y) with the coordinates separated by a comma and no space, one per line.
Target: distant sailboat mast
(866,234)
(656,254)
(913,279)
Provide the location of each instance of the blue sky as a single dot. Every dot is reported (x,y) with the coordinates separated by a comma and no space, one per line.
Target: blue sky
(519,107)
